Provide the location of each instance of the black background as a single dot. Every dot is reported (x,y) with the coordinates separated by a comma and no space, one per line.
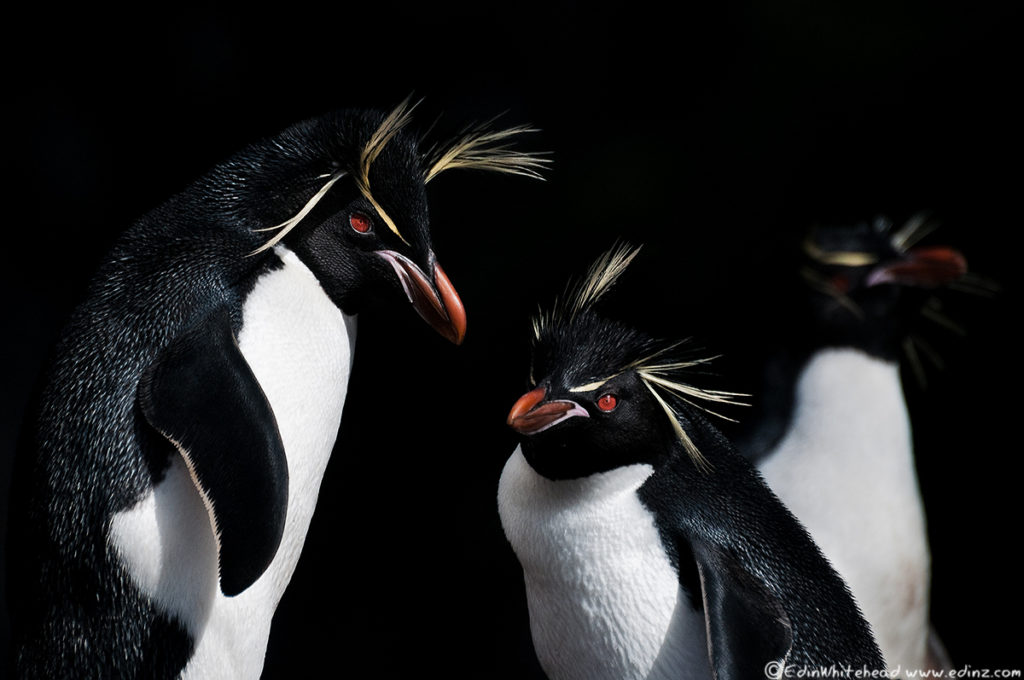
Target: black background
(715,134)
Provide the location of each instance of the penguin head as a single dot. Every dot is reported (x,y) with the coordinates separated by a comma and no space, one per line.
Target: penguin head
(867,280)
(347,193)
(603,394)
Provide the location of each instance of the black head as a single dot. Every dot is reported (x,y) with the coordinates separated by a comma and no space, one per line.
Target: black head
(347,193)
(868,281)
(604,395)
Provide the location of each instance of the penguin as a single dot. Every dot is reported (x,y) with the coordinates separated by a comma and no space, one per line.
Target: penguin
(168,475)
(650,547)
(831,433)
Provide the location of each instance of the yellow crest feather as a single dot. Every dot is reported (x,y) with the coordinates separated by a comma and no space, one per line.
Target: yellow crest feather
(915,229)
(602,275)
(388,128)
(478,148)
(483,149)
(656,376)
(599,279)
(691,449)
(292,222)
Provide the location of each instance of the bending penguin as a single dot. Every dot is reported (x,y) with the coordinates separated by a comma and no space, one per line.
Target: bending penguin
(650,548)
(168,477)
(831,434)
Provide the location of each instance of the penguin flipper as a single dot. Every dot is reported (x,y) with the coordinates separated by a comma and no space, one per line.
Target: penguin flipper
(747,625)
(202,396)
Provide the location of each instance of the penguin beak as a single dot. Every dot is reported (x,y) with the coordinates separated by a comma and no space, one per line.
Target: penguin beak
(531,414)
(922,267)
(437,302)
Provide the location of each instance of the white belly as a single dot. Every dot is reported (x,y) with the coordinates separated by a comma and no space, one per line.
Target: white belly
(604,601)
(299,345)
(846,469)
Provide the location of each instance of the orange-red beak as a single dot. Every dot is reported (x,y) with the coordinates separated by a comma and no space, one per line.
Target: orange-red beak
(531,414)
(435,301)
(922,267)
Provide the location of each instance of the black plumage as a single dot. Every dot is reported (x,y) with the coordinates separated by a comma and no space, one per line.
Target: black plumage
(149,367)
(607,398)
(858,285)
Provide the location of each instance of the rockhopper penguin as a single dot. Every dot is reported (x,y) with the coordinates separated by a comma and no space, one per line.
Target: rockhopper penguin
(169,474)
(831,434)
(650,548)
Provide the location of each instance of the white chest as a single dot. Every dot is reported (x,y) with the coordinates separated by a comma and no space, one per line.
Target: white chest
(604,600)
(846,469)
(299,345)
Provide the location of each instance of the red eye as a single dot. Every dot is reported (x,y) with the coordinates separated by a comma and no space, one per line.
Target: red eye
(607,402)
(359,222)
(841,282)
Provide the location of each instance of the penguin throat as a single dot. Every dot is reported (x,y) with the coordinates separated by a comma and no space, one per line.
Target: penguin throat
(560,456)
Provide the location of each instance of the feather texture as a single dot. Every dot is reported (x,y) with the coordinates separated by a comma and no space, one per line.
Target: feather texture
(389,127)
(660,374)
(483,149)
(292,222)
(479,148)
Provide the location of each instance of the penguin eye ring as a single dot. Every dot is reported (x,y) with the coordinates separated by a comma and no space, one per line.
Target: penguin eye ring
(607,402)
(360,223)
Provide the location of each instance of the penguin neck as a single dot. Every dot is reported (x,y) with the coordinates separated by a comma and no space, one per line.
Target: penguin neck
(534,507)
(874,320)
(797,376)
(848,413)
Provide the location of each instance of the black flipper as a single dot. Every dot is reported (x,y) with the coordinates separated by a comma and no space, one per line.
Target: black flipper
(747,625)
(201,395)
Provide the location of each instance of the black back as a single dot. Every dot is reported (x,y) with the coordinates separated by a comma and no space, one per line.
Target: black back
(727,519)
